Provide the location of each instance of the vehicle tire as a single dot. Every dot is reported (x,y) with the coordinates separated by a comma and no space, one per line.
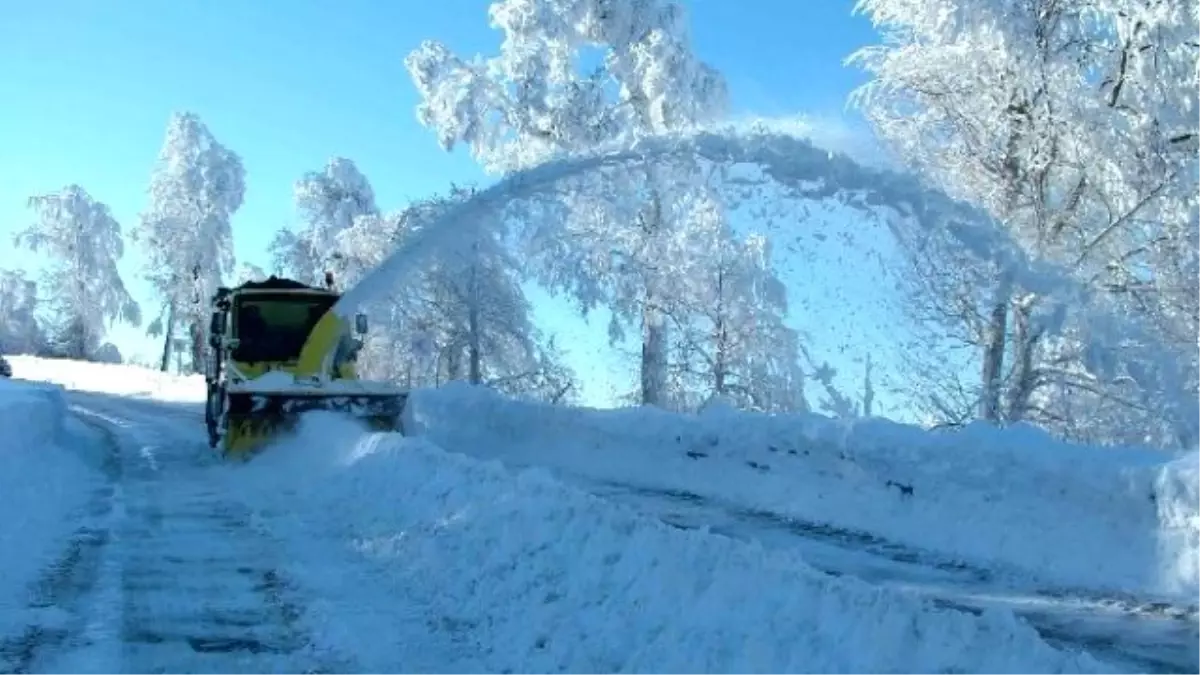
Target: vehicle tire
(212,413)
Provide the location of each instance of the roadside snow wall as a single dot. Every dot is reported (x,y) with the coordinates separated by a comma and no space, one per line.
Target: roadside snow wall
(43,485)
(543,577)
(1114,519)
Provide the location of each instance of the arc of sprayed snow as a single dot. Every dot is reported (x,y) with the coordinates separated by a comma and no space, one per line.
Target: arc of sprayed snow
(812,172)
(790,161)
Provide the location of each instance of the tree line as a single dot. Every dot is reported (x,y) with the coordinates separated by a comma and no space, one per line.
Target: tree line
(463,315)
(1071,123)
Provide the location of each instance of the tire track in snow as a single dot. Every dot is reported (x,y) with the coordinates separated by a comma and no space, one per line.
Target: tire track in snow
(176,579)
(202,590)
(1136,634)
(738,522)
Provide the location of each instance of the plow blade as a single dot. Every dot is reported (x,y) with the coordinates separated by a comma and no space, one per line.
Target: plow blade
(257,418)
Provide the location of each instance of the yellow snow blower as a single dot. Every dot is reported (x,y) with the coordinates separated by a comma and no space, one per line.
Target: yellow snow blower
(275,351)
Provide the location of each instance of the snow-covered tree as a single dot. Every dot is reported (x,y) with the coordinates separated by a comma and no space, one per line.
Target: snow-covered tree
(196,187)
(537,100)
(948,299)
(475,289)
(329,202)
(544,377)
(461,316)
(1073,123)
(728,308)
(82,286)
(20,332)
(388,352)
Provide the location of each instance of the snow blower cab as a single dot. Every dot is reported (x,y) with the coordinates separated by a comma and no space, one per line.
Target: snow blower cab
(275,351)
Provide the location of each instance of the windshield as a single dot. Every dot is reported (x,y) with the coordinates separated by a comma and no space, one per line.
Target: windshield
(274,326)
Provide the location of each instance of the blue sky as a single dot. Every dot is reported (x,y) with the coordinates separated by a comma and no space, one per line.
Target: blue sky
(87,88)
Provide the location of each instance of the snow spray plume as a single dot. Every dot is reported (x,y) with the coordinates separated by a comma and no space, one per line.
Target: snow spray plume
(808,171)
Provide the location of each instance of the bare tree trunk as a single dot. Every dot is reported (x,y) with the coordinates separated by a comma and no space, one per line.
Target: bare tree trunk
(74,339)
(654,325)
(197,328)
(997,330)
(165,364)
(721,336)
(80,332)
(654,339)
(453,354)
(198,340)
(1024,381)
(993,353)
(473,338)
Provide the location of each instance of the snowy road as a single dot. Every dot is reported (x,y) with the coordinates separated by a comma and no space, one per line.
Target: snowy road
(171,572)
(167,574)
(1136,636)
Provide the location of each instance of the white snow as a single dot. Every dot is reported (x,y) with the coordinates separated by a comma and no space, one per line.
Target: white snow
(540,576)
(109,378)
(138,382)
(279,380)
(44,483)
(269,381)
(518,559)
(1121,519)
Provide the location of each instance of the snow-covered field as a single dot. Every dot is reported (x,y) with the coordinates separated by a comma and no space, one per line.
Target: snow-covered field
(1124,519)
(486,526)
(46,481)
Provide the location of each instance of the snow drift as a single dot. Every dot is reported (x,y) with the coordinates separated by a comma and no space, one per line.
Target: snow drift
(43,485)
(546,577)
(1123,519)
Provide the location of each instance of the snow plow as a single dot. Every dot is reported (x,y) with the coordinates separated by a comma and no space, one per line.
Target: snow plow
(277,350)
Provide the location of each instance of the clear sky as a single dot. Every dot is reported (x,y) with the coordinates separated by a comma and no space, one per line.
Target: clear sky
(86,89)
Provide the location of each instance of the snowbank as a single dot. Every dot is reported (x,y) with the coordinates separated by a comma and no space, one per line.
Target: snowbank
(1071,516)
(542,577)
(110,378)
(1176,492)
(43,485)
(1119,519)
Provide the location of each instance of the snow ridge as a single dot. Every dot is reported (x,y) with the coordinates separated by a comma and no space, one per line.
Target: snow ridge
(547,577)
(1111,519)
(44,485)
